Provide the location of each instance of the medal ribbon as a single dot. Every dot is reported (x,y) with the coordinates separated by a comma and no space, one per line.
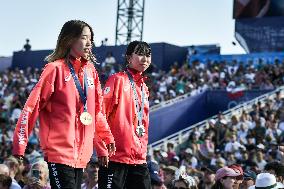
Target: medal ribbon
(139,111)
(83,93)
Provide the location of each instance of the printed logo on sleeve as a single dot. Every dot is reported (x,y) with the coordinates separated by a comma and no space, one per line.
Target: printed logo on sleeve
(90,82)
(22,130)
(126,87)
(68,77)
(146,99)
(107,90)
(90,78)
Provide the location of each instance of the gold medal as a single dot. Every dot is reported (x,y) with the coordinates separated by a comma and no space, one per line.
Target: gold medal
(86,118)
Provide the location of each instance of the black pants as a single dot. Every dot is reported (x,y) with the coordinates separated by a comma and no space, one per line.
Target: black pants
(124,176)
(63,176)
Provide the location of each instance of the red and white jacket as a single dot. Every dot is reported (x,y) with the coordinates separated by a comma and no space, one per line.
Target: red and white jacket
(119,107)
(56,101)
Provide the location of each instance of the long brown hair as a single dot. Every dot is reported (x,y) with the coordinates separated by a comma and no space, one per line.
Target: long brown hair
(69,34)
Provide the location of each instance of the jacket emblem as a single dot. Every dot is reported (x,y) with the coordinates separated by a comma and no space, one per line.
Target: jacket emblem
(107,90)
(68,77)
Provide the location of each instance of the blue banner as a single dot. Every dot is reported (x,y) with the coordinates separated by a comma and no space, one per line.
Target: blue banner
(163,56)
(267,58)
(168,120)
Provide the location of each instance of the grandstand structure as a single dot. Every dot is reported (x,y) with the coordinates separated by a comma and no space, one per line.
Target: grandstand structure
(182,135)
(194,90)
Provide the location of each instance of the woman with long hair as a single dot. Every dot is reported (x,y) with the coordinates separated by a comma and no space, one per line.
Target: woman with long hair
(68,101)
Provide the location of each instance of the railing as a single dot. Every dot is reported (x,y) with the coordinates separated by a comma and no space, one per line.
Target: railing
(169,102)
(182,135)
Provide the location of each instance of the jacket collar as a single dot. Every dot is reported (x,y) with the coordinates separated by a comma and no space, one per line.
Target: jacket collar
(137,76)
(76,62)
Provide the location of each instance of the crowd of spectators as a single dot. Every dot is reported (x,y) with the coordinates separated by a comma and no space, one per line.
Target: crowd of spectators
(197,77)
(229,153)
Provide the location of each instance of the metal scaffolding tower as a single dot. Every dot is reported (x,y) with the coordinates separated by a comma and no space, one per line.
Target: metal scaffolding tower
(129,21)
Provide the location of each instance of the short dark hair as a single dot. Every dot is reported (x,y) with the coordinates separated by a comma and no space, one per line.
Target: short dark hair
(5,180)
(93,162)
(272,166)
(137,47)
(280,170)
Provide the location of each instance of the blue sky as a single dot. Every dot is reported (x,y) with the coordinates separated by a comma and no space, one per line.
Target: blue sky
(179,22)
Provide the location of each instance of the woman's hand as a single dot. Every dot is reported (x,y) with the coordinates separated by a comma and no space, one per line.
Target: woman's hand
(103,161)
(111,149)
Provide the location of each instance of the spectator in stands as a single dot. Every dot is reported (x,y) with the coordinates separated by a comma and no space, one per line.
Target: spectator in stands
(225,178)
(231,158)
(38,176)
(273,153)
(27,46)
(16,112)
(157,156)
(275,168)
(127,111)
(234,146)
(5,182)
(208,178)
(221,130)
(249,179)
(180,85)
(22,174)
(258,132)
(4,169)
(109,66)
(55,102)
(189,160)
(31,153)
(239,179)
(156,179)
(278,101)
(169,175)
(175,161)
(271,167)
(218,160)
(194,142)
(184,182)
(163,90)
(266,180)
(243,159)
(280,173)
(110,60)
(242,133)
(170,151)
(91,182)
(251,143)
(272,133)
(207,149)
(259,160)
(14,167)
(104,42)
(211,127)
